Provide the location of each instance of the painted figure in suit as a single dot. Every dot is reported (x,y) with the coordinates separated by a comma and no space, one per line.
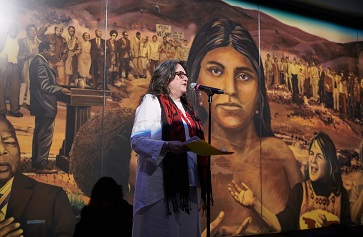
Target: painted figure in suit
(43,105)
(60,53)
(112,57)
(135,52)
(98,46)
(321,91)
(30,208)
(269,70)
(328,89)
(28,48)
(124,54)
(9,72)
(74,49)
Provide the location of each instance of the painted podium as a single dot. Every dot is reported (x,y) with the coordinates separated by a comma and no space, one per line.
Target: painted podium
(79,102)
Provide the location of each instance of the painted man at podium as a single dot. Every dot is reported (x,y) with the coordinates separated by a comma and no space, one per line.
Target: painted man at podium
(43,105)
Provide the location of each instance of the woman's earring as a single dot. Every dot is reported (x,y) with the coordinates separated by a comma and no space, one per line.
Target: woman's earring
(200,98)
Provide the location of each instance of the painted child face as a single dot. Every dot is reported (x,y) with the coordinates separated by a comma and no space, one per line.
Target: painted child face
(318,165)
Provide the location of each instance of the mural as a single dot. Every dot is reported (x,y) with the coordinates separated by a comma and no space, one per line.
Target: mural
(284,82)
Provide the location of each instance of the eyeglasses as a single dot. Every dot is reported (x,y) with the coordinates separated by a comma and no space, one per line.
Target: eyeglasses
(181,74)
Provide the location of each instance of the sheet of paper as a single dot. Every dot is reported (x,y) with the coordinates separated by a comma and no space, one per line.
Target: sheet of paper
(203,148)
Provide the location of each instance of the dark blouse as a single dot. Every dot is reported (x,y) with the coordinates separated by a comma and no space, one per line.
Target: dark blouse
(289,217)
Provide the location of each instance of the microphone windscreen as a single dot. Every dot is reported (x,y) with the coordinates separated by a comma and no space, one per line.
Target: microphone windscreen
(193,85)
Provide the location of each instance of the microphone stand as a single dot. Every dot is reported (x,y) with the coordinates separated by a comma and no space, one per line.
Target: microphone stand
(209,179)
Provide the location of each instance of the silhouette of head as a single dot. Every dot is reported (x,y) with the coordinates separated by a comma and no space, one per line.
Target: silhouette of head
(106,190)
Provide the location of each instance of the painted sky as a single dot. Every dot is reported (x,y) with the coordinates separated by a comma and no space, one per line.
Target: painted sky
(332,32)
(324,29)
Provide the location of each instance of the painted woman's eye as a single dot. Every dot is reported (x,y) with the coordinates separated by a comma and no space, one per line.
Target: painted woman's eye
(243,77)
(215,71)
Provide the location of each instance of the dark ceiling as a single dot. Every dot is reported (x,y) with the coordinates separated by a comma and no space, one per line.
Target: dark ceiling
(344,12)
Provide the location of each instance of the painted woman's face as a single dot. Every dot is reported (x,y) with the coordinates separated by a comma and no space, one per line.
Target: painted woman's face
(318,166)
(86,37)
(228,70)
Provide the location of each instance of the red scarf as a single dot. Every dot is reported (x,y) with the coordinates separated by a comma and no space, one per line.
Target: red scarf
(175,166)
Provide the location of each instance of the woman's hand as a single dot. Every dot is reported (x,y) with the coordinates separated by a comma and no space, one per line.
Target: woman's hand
(177,147)
(244,197)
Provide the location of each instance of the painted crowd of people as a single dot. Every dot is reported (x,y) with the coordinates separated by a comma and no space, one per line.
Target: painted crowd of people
(79,62)
(338,90)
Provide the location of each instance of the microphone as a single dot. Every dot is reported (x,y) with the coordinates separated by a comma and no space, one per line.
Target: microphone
(207,89)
